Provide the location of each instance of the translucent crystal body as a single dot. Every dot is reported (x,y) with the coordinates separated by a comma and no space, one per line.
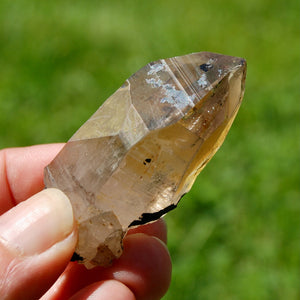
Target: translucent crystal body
(132,161)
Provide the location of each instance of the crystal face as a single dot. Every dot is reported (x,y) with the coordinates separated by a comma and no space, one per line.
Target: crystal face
(136,156)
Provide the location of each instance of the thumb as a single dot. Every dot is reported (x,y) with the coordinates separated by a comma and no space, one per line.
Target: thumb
(37,239)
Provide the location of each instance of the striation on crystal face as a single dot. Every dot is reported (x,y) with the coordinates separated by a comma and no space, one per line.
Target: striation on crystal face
(136,156)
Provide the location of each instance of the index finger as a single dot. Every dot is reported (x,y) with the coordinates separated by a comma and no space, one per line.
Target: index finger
(21,172)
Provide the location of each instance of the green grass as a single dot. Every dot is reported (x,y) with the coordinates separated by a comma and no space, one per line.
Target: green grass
(236,234)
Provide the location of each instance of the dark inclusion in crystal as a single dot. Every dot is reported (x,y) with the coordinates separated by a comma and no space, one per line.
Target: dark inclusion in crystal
(206,67)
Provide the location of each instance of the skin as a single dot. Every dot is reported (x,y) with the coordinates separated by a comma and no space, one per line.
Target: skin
(142,272)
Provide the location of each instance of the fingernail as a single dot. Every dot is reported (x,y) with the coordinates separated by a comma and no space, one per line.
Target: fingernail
(36,224)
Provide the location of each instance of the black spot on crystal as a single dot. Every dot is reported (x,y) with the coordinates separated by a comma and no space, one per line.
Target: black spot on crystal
(205,67)
(76,257)
(147,160)
(242,62)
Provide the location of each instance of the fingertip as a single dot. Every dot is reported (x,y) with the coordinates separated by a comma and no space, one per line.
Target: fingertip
(35,225)
(37,240)
(145,266)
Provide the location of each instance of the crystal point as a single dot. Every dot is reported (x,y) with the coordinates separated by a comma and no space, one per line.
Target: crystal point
(136,156)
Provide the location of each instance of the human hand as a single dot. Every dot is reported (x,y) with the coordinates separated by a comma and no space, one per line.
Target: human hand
(38,237)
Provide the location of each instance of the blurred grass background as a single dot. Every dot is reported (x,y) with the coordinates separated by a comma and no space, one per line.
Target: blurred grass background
(236,234)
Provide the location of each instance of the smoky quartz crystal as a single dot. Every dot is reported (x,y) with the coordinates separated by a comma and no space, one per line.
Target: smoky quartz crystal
(136,156)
